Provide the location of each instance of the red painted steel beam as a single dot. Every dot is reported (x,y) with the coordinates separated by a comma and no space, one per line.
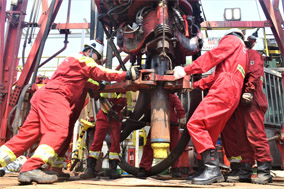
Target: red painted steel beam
(276,3)
(15,19)
(207,24)
(71,26)
(45,11)
(2,33)
(235,24)
(26,73)
(273,14)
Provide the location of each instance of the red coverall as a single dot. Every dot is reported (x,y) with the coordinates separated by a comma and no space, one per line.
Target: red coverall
(51,107)
(103,124)
(211,115)
(176,112)
(76,111)
(250,136)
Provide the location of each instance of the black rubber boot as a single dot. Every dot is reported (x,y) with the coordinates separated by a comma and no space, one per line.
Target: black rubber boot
(242,175)
(175,172)
(142,173)
(38,176)
(231,176)
(112,169)
(263,173)
(91,171)
(211,171)
(2,173)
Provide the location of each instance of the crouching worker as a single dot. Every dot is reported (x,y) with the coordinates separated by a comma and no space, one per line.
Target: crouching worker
(108,118)
(51,106)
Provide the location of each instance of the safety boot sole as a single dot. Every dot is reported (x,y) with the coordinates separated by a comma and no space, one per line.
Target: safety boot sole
(210,181)
(36,176)
(261,181)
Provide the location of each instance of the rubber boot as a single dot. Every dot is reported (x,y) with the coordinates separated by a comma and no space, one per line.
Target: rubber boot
(211,171)
(91,171)
(263,173)
(112,171)
(142,173)
(242,175)
(38,176)
(200,169)
(175,172)
(233,174)
(2,172)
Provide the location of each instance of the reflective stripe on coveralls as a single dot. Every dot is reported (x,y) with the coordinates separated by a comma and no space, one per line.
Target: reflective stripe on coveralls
(44,152)
(95,154)
(113,155)
(234,159)
(6,156)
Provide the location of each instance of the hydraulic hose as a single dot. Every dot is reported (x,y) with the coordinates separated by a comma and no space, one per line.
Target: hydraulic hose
(45,35)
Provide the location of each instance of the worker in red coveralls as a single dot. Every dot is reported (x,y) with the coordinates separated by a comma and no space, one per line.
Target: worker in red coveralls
(108,118)
(211,115)
(57,164)
(248,123)
(177,115)
(51,107)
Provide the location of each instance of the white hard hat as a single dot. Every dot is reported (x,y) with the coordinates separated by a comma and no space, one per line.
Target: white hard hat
(235,30)
(96,46)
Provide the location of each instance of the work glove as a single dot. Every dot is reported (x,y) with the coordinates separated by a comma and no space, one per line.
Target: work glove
(179,72)
(282,136)
(102,85)
(113,115)
(94,94)
(182,123)
(247,99)
(133,73)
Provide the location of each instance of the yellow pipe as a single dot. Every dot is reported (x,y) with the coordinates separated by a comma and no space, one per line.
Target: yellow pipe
(265,42)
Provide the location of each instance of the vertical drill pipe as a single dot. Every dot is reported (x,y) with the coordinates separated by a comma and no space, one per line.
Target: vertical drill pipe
(160,123)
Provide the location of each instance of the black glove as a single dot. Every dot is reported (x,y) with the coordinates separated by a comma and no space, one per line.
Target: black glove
(133,73)
(113,115)
(102,85)
(126,112)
